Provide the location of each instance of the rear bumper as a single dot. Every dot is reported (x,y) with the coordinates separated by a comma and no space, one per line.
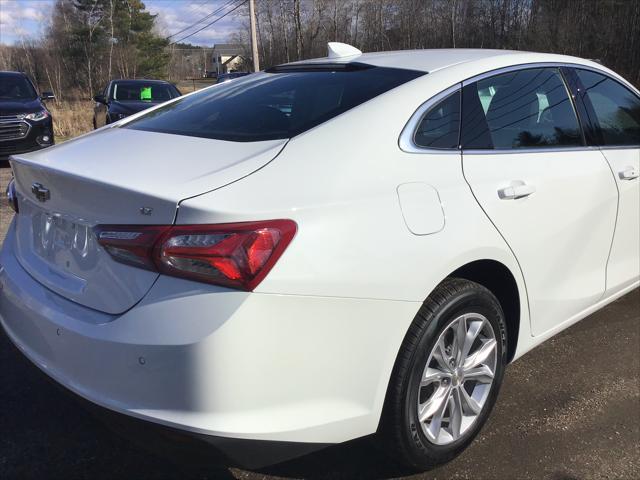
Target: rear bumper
(185,446)
(215,362)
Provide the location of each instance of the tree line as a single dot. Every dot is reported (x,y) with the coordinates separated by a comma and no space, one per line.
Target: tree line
(88,42)
(604,30)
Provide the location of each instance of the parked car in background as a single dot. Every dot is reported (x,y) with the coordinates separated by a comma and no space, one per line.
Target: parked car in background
(121,98)
(25,122)
(225,77)
(329,249)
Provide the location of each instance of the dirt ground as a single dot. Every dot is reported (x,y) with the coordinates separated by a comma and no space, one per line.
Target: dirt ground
(568,410)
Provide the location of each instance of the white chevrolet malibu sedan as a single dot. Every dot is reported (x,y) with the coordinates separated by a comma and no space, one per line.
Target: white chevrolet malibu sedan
(328,249)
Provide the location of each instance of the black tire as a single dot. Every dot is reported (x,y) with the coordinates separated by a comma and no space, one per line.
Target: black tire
(400,430)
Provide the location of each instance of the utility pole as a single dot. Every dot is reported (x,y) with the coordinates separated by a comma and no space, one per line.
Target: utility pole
(254,36)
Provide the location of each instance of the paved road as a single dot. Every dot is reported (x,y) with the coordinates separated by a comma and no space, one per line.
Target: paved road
(568,410)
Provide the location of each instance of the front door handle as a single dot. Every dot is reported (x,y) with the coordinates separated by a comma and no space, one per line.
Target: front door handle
(629,173)
(517,189)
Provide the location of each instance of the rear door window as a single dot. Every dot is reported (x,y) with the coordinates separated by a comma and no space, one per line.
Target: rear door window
(527,108)
(615,107)
(275,105)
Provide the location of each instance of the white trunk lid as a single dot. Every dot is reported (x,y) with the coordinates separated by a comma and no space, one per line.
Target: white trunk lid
(108,178)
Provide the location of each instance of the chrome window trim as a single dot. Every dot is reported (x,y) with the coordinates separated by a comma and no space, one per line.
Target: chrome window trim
(406,141)
(526,66)
(512,151)
(619,147)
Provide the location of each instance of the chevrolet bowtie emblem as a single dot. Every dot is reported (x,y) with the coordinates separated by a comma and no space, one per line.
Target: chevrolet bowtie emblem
(40,192)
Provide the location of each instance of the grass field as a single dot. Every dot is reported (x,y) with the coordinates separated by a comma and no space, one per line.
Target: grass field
(188,86)
(71,118)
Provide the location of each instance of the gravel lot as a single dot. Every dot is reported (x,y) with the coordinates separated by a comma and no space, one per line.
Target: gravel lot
(568,410)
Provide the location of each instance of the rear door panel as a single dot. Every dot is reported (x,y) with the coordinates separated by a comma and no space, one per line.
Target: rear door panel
(553,199)
(561,234)
(610,111)
(623,268)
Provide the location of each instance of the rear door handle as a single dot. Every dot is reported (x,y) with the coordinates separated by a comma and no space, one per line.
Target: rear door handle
(629,173)
(517,189)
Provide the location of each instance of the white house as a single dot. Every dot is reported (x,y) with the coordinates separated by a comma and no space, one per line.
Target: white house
(227,57)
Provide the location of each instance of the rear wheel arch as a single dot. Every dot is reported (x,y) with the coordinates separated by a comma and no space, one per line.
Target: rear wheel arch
(401,429)
(499,280)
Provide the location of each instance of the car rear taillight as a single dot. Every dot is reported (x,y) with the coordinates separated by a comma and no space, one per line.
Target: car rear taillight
(236,255)
(131,244)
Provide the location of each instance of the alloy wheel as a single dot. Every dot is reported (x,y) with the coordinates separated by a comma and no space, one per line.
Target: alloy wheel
(457,378)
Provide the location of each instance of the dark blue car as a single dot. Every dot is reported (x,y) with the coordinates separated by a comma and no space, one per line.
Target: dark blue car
(122,98)
(25,122)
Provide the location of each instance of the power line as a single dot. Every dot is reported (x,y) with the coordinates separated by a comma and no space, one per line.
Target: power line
(194,7)
(211,23)
(215,12)
(201,3)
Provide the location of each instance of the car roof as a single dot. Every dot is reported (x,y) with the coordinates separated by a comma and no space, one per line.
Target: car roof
(454,64)
(137,80)
(431,60)
(12,74)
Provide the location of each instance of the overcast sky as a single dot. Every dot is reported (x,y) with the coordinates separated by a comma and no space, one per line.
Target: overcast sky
(29,18)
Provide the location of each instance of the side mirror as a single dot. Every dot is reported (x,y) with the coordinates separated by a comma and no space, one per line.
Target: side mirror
(47,96)
(100,99)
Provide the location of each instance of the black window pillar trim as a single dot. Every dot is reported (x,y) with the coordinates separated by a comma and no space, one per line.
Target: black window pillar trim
(586,114)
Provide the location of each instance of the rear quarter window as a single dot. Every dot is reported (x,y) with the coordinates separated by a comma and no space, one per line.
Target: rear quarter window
(269,106)
(439,128)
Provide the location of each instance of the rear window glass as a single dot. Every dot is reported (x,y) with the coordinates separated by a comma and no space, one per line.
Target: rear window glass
(269,106)
(139,92)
